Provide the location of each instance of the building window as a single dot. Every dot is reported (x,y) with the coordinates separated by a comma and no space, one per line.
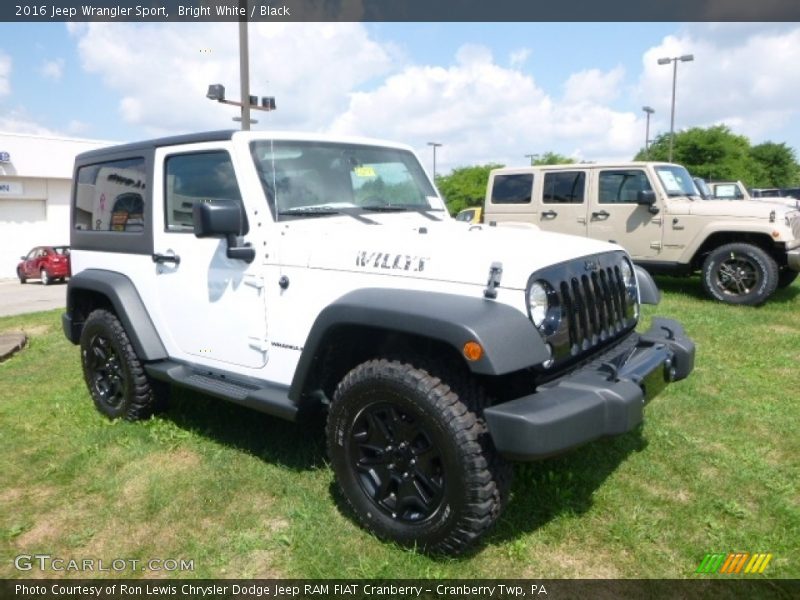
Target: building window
(110,196)
(198,177)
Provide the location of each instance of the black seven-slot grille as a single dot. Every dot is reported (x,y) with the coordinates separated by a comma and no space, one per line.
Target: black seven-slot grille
(592,304)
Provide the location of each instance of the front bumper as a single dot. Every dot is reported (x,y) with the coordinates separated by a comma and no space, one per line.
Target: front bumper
(793,259)
(605,397)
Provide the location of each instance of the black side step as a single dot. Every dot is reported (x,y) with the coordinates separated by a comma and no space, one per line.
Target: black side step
(270,399)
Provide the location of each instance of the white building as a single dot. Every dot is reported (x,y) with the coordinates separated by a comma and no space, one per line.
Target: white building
(35,185)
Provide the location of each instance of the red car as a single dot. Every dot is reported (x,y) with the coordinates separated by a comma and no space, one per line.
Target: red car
(46,263)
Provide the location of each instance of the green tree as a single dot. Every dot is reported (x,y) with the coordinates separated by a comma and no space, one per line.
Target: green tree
(553,158)
(465,186)
(778,165)
(717,154)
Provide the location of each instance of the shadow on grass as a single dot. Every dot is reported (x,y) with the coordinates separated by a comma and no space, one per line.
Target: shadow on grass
(545,489)
(693,288)
(541,491)
(298,446)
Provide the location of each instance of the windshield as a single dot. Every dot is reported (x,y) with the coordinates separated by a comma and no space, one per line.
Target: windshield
(311,179)
(676,181)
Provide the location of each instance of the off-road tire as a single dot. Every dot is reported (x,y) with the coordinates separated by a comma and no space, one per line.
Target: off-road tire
(113,373)
(22,278)
(45,277)
(786,277)
(740,273)
(385,416)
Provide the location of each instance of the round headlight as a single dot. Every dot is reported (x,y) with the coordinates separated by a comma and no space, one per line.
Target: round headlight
(538,303)
(628,278)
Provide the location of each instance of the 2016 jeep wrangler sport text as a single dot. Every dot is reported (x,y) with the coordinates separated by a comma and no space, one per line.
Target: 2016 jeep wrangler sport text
(744,250)
(288,273)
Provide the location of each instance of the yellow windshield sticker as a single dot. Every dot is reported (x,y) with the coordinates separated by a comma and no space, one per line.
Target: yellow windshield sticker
(365,172)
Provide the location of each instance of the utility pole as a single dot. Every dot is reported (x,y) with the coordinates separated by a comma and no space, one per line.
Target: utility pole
(674,60)
(244,65)
(434,145)
(649,112)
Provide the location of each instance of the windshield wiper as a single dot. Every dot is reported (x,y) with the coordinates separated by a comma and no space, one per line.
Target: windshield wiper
(324,211)
(403,208)
(312,211)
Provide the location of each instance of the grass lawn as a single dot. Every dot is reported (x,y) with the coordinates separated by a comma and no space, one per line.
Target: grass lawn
(715,468)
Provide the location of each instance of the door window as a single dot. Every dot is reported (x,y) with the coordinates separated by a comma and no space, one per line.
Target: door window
(564,187)
(197,177)
(622,186)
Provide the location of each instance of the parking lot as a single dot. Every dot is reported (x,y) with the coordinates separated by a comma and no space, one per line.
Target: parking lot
(17,298)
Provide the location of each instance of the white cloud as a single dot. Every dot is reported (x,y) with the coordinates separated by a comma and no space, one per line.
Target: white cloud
(519,57)
(162,75)
(483,112)
(593,85)
(19,121)
(52,69)
(5,74)
(742,76)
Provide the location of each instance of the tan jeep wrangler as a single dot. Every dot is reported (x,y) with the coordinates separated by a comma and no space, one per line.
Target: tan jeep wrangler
(744,250)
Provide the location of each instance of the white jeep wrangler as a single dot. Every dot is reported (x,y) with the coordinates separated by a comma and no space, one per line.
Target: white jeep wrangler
(288,273)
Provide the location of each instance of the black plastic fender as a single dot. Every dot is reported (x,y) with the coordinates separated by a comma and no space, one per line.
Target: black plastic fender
(127,304)
(509,340)
(648,290)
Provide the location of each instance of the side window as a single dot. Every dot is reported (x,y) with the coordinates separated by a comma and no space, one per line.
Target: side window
(565,187)
(197,177)
(110,196)
(622,186)
(512,189)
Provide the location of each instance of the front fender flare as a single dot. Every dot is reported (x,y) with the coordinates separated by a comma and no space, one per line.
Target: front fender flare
(509,340)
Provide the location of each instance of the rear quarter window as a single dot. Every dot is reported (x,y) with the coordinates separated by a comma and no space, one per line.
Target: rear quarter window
(110,196)
(512,189)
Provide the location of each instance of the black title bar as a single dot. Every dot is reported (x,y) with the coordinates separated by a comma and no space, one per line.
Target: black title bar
(397,10)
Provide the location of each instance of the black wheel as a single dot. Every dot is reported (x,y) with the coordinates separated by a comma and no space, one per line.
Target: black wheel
(45,277)
(22,278)
(740,274)
(411,459)
(786,277)
(112,371)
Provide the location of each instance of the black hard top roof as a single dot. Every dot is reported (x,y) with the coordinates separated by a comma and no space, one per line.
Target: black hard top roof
(149,145)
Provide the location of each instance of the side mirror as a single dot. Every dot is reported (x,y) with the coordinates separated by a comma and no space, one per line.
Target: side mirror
(218,218)
(646,197)
(226,218)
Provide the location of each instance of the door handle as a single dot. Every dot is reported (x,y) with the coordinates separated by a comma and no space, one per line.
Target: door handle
(601,215)
(165,258)
(549,214)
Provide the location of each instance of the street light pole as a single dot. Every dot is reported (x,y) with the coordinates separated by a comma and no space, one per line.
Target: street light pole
(649,112)
(674,60)
(434,145)
(244,65)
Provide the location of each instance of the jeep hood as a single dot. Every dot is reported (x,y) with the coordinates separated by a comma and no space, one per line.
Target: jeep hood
(753,209)
(406,246)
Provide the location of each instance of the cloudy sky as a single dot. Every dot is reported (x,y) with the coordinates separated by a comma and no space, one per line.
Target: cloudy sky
(489,92)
